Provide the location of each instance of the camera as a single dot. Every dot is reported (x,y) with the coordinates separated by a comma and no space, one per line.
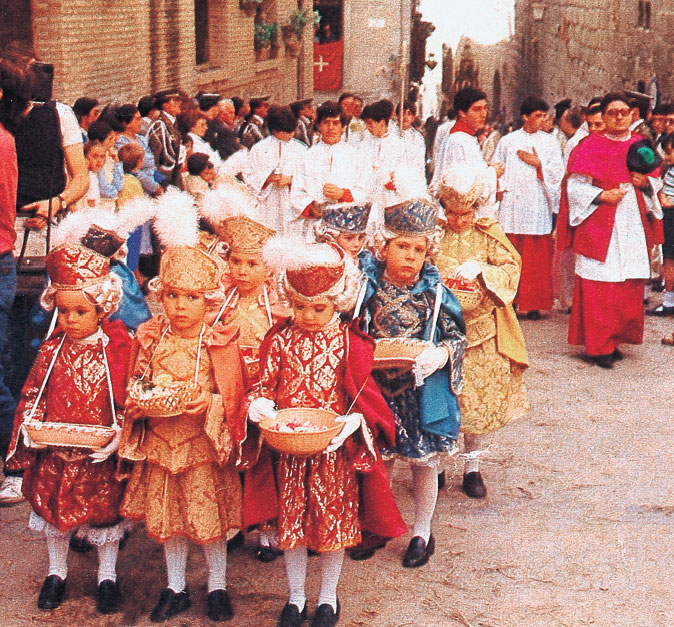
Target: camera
(43,80)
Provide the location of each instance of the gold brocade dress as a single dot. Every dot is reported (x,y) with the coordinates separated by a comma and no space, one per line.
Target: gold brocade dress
(318,495)
(493,392)
(180,488)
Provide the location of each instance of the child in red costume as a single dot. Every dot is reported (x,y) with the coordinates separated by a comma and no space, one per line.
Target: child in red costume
(317,361)
(79,377)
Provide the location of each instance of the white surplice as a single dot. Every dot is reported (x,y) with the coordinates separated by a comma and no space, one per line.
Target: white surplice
(627,256)
(574,140)
(269,156)
(464,149)
(528,203)
(323,163)
(384,162)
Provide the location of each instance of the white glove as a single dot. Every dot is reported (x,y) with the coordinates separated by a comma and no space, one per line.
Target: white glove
(468,270)
(101,454)
(352,423)
(431,359)
(261,408)
(28,442)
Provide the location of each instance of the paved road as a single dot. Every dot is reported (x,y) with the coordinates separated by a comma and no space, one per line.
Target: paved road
(577,528)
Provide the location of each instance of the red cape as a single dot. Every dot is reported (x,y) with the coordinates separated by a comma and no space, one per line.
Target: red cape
(378,511)
(605,160)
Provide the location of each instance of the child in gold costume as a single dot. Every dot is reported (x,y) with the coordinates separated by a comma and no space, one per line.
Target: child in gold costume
(251,308)
(183,485)
(477,251)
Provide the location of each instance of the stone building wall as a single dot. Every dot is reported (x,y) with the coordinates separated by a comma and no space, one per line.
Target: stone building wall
(119,51)
(583,48)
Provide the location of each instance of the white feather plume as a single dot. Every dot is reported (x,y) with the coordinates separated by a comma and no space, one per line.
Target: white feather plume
(176,221)
(136,212)
(71,229)
(229,198)
(293,253)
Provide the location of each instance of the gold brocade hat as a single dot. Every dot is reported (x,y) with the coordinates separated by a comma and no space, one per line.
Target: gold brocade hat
(190,269)
(243,235)
(461,188)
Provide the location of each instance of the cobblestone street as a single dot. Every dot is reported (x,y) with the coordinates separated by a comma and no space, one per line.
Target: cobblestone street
(577,528)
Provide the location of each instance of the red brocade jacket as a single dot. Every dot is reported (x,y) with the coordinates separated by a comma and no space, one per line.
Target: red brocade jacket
(378,511)
(62,485)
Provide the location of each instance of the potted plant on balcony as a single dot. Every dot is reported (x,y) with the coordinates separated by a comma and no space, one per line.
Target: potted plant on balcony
(266,37)
(293,30)
(249,7)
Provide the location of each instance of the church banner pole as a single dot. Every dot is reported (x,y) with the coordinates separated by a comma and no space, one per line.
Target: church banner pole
(403,73)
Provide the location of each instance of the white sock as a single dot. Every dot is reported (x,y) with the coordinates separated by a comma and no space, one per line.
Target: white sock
(471,465)
(668,299)
(296,570)
(216,558)
(471,442)
(175,554)
(107,561)
(57,548)
(264,538)
(646,288)
(331,568)
(425,487)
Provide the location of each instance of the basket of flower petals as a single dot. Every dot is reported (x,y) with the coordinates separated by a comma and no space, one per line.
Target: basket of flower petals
(299,431)
(66,434)
(397,352)
(163,397)
(468,293)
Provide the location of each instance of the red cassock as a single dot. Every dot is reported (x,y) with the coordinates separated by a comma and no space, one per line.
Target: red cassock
(64,486)
(604,314)
(377,513)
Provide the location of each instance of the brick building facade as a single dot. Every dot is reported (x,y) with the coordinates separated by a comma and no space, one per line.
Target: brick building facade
(119,51)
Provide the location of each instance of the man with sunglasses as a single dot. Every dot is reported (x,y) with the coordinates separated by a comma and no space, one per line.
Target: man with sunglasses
(614,215)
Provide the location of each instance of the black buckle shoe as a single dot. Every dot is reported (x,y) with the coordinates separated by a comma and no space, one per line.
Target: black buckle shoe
(235,541)
(325,616)
(219,606)
(442,480)
(80,545)
(291,616)
(473,485)
(170,603)
(418,552)
(660,310)
(52,592)
(267,554)
(109,597)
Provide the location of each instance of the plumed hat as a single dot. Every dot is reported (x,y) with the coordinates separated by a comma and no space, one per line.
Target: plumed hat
(310,270)
(234,213)
(415,217)
(183,266)
(462,186)
(347,217)
(73,266)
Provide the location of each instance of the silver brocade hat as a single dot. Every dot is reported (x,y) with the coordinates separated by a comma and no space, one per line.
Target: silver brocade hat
(417,216)
(347,217)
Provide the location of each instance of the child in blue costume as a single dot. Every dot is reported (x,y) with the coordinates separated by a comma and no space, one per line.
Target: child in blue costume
(405,298)
(345,224)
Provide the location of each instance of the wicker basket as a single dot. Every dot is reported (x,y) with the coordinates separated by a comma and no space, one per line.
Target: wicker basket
(165,401)
(301,444)
(65,434)
(468,299)
(397,352)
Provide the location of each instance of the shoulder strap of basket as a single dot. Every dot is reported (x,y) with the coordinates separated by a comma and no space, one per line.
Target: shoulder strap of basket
(33,409)
(110,391)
